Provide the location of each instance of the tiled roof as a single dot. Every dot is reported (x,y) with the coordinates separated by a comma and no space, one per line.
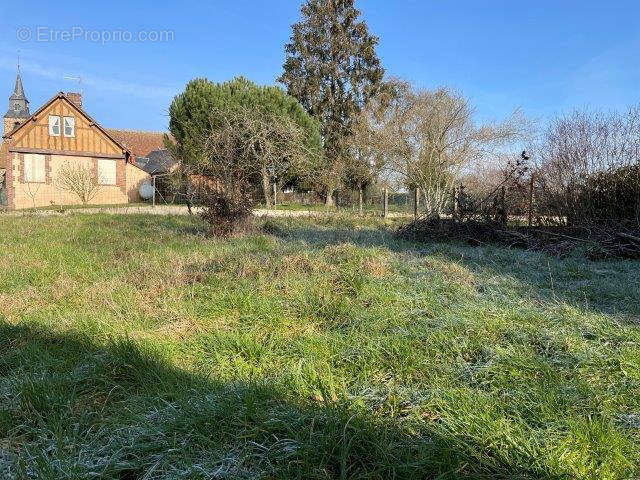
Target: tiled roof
(138,142)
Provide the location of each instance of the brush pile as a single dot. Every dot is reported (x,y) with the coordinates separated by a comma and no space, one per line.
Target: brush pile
(597,242)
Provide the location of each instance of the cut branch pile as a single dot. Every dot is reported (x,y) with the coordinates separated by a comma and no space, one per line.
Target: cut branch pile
(597,242)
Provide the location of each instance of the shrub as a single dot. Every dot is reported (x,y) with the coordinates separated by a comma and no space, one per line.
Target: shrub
(612,195)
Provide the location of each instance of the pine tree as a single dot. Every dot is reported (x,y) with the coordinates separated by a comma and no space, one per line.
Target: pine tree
(202,107)
(332,69)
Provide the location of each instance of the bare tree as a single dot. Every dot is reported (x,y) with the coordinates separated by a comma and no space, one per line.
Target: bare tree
(426,138)
(580,147)
(78,179)
(31,189)
(228,174)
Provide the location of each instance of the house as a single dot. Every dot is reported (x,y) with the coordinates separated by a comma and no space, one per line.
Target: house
(36,147)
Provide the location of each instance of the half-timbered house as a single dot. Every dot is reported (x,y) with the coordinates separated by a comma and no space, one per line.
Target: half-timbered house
(36,148)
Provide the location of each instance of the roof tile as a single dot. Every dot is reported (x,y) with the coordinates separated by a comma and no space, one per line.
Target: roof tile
(138,142)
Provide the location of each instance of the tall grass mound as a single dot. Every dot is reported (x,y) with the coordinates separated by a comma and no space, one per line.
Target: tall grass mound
(139,347)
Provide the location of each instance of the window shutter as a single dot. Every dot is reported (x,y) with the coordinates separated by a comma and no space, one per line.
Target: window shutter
(34,168)
(107,172)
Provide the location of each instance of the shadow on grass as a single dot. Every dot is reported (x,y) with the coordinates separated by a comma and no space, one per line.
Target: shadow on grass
(74,409)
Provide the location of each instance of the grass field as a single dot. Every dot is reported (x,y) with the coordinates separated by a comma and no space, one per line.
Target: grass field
(131,347)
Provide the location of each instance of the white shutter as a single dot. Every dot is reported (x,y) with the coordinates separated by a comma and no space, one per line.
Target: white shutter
(107,172)
(34,171)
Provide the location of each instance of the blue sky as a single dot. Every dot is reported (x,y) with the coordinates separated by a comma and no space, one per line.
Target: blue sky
(545,57)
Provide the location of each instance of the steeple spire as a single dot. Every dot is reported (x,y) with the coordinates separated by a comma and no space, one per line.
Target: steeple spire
(18,103)
(18,91)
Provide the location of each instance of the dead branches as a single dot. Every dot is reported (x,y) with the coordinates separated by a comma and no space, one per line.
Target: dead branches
(597,243)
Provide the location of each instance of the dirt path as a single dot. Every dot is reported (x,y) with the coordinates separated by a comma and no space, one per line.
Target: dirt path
(172,210)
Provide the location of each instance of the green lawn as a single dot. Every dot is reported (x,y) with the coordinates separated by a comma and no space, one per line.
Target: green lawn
(131,347)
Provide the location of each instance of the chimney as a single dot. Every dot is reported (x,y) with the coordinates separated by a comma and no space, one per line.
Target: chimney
(75,98)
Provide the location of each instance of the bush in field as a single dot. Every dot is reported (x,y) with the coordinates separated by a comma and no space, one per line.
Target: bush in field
(613,195)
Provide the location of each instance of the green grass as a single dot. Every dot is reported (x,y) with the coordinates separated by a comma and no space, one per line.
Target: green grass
(134,347)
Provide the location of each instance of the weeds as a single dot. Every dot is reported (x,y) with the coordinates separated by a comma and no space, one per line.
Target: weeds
(130,349)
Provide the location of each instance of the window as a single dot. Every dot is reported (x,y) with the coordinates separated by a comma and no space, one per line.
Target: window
(16,107)
(69,127)
(107,172)
(34,171)
(54,126)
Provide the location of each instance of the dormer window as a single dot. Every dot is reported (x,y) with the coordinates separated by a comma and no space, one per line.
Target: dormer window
(54,126)
(69,126)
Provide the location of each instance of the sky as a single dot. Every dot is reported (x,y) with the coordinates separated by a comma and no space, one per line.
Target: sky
(132,58)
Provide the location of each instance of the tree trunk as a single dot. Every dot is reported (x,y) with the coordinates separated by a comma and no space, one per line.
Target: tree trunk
(360,201)
(266,188)
(503,207)
(385,202)
(329,199)
(456,203)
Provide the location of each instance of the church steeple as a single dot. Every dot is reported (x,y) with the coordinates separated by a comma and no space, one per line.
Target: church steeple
(18,106)
(18,91)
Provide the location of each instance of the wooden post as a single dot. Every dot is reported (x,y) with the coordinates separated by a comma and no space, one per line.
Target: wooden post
(385,202)
(416,200)
(275,194)
(531,184)
(503,206)
(154,191)
(360,200)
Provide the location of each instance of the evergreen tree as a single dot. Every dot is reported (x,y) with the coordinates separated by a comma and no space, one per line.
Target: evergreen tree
(332,69)
(202,108)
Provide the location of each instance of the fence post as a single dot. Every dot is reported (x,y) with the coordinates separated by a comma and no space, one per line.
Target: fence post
(531,184)
(416,199)
(503,206)
(275,194)
(154,191)
(385,202)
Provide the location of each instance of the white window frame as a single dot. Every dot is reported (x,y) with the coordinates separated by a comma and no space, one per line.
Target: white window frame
(52,125)
(109,178)
(35,168)
(72,126)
